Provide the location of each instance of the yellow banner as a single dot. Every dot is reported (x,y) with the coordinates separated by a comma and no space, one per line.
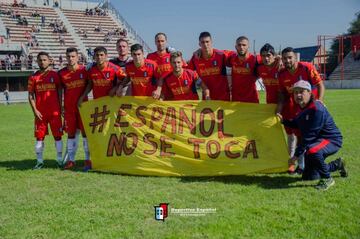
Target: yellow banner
(142,136)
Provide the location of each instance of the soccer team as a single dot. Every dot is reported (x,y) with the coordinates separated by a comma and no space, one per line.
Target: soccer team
(164,75)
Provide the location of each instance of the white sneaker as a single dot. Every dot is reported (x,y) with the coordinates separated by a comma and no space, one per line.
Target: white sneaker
(39,165)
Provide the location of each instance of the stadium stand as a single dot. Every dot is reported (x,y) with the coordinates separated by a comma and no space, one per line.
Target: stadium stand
(44,40)
(351,69)
(21,39)
(106,35)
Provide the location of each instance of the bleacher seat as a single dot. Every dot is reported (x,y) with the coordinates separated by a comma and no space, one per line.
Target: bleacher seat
(351,69)
(48,41)
(79,20)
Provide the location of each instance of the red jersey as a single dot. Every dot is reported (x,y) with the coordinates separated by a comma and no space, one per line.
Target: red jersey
(45,85)
(74,83)
(164,67)
(244,77)
(182,87)
(270,78)
(212,72)
(304,71)
(143,78)
(162,61)
(104,80)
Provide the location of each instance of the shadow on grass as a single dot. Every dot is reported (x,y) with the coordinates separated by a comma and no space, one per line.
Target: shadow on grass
(274,181)
(271,181)
(28,164)
(278,181)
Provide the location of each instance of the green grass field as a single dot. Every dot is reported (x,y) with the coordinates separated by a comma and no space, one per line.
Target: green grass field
(51,203)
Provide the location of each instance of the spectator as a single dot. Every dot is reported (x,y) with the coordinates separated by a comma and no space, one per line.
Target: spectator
(35,13)
(7,62)
(29,42)
(61,39)
(17,14)
(34,42)
(64,30)
(12,14)
(22,4)
(15,4)
(56,3)
(12,62)
(7,96)
(97,10)
(17,63)
(30,61)
(123,33)
(8,11)
(32,34)
(85,34)
(60,60)
(101,12)
(107,37)
(2,63)
(98,28)
(7,33)
(43,20)
(23,21)
(82,59)
(52,23)
(90,52)
(23,62)
(27,35)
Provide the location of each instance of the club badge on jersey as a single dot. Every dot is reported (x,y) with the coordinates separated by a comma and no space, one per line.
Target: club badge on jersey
(145,74)
(247,66)
(81,75)
(186,82)
(108,75)
(214,63)
(276,75)
(52,79)
(167,60)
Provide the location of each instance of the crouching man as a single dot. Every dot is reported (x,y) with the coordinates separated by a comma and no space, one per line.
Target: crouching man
(320,137)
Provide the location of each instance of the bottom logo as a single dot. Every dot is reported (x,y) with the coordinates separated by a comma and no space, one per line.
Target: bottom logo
(161,211)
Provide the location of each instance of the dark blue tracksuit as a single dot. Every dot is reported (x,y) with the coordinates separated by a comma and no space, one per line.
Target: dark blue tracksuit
(319,138)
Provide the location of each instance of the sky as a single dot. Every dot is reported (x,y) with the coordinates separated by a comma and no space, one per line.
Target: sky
(282,23)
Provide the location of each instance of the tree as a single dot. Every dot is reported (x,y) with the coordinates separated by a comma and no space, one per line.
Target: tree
(354,28)
(333,61)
